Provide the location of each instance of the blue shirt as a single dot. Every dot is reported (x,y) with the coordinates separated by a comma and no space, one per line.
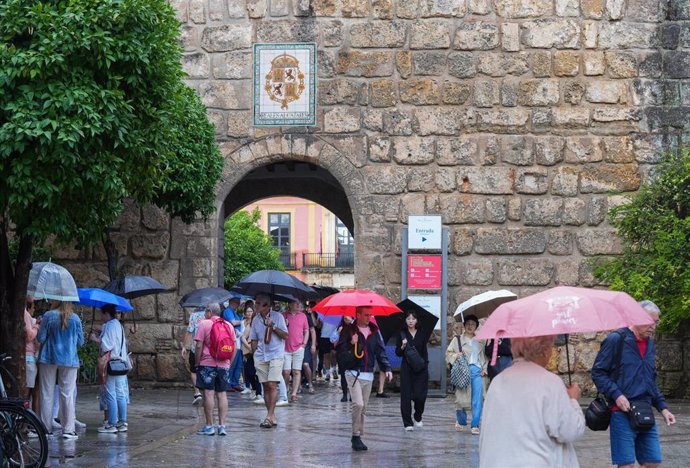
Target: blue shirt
(231,315)
(59,346)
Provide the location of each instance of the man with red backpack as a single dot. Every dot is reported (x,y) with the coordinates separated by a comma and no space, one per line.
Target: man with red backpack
(215,350)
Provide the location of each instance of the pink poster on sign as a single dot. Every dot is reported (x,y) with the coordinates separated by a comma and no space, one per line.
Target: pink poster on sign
(424,271)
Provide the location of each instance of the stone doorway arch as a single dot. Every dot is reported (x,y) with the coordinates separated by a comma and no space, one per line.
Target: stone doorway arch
(305,166)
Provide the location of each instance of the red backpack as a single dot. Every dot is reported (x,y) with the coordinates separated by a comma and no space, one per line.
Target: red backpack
(222,346)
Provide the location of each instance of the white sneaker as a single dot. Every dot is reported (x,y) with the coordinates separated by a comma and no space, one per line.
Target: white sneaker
(252,395)
(245,391)
(79,425)
(70,435)
(475,431)
(56,424)
(108,429)
(409,428)
(259,400)
(122,427)
(418,424)
(282,403)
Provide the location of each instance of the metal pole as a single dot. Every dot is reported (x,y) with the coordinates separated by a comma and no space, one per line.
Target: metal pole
(444,307)
(403,285)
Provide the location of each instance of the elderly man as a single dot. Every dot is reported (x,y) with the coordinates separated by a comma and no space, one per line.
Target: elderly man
(212,374)
(267,337)
(631,379)
(364,339)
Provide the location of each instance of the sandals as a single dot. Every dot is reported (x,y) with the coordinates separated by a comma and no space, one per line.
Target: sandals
(293,399)
(268,424)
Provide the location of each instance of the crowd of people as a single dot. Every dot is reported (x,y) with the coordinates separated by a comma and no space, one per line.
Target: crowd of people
(273,355)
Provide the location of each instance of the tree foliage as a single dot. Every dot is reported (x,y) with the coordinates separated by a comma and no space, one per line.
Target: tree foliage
(655,228)
(247,247)
(92,110)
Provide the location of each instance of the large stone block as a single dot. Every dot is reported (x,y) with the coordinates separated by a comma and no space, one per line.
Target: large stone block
(455,93)
(344,91)
(511,241)
(196,65)
(543,212)
(627,35)
(618,149)
(621,64)
(570,117)
(574,211)
(462,240)
(560,243)
(355,8)
(503,121)
(149,337)
(383,93)
(171,368)
(461,151)
(496,210)
(526,271)
(607,92)
(445,180)
(539,93)
(523,8)
(442,8)
(397,122)
(330,33)
(567,273)
(419,92)
(462,64)
(487,93)
(461,209)
(518,150)
(429,63)
(677,64)
(565,181)
(153,246)
(381,34)
(669,355)
(429,34)
(226,37)
(602,178)
(566,63)
(413,150)
(224,95)
(500,64)
(232,65)
(382,9)
(532,181)
(442,120)
(579,150)
(598,242)
(387,180)
(486,180)
(597,209)
(367,64)
(549,150)
(476,36)
(478,273)
(342,120)
(551,33)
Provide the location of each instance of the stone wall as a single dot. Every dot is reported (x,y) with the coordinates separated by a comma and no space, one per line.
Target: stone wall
(522,122)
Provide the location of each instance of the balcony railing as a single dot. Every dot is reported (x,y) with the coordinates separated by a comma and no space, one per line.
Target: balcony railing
(328,261)
(289,260)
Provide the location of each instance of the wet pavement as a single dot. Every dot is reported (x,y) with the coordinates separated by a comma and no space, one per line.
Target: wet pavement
(314,432)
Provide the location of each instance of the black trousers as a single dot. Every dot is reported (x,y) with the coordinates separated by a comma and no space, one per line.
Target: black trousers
(250,373)
(413,390)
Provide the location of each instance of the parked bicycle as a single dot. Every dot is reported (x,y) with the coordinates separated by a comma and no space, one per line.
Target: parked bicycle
(23,441)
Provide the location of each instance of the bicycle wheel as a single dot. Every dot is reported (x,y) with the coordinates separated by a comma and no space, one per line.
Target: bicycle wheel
(23,437)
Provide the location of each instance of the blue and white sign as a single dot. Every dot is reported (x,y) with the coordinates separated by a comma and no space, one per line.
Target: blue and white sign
(431,304)
(424,232)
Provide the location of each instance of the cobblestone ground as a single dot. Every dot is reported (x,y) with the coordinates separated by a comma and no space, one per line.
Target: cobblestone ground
(314,432)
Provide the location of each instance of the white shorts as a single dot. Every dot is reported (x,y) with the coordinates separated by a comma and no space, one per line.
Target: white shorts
(294,360)
(31,373)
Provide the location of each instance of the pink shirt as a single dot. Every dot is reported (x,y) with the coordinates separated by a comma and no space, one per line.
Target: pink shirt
(31,332)
(296,325)
(203,334)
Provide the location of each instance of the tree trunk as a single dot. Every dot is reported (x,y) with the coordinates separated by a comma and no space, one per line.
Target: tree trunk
(12,304)
(110,254)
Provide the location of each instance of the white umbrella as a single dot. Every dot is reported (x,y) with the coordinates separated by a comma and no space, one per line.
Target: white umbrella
(483,304)
(50,281)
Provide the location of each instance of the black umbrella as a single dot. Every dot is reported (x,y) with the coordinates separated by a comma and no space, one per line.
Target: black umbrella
(272,282)
(201,297)
(392,325)
(131,286)
(323,291)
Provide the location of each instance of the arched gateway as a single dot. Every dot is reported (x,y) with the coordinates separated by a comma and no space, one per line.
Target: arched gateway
(521,122)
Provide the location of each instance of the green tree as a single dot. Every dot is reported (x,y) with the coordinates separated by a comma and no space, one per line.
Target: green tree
(247,247)
(655,229)
(92,110)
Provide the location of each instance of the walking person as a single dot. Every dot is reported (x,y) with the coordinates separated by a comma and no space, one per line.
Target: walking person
(251,380)
(473,395)
(230,315)
(113,343)
(298,333)
(362,338)
(531,418)
(60,335)
(413,385)
(188,349)
(632,381)
(267,337)
(212,366)
(309,353)
(335,336)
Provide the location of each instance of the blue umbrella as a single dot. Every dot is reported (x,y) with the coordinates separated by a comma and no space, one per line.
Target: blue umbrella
(94,297)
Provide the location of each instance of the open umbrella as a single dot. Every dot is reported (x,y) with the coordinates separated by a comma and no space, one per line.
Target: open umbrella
(48,280)
(94,297)
(346,303)
(132,286)
(323,291)
(272,282)
(391,325)
(483,304)
(563,310)
(201,297)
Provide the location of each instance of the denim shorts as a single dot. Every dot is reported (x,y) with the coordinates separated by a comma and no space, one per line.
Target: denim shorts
(212,378)
(627,444)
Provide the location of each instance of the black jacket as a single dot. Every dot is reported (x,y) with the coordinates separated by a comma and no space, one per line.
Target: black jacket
(419,342)
(374,349)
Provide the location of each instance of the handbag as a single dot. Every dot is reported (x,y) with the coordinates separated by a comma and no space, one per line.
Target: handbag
(460,371)
(119,366)
(413,358)
(641,415)
(598,414)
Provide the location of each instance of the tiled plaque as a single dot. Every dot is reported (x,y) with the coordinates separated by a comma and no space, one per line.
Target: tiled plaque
(284,84)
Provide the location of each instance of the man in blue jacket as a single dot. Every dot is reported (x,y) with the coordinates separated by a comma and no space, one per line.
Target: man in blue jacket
(632,379)
(364,339)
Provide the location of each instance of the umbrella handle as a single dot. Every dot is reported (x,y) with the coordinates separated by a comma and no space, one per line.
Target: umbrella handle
(567,358)
(494,352)
(360,355)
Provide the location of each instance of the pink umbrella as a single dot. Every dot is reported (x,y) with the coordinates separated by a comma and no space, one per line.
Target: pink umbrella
(563,310)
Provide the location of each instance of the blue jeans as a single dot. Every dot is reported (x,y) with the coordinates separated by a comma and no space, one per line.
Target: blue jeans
(477,390)
(116,398)
(236,369)
(627,444)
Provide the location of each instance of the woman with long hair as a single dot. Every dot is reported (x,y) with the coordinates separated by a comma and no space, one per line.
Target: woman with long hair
(250,377)
(413,385)
(60,335)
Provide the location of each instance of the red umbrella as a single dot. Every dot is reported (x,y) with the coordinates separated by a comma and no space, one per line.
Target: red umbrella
(346,303)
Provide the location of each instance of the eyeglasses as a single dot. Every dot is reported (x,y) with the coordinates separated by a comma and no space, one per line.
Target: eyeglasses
(262,304)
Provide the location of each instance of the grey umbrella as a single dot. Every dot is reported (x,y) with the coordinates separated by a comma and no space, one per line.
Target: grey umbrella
(132,286)
(201,297)
(273,282)
(48,280)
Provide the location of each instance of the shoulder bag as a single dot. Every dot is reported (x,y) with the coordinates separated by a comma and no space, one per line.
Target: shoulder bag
(119,366)
(412,357)
(460,371)
(598,413)
(641,415)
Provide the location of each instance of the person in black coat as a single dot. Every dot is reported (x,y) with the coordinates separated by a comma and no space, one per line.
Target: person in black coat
(504,358)
(413,385)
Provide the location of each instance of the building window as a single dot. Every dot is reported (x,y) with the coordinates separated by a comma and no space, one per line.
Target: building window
(344,252)
(279,230)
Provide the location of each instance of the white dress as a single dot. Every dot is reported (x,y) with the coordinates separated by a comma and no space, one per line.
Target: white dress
(529,420)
